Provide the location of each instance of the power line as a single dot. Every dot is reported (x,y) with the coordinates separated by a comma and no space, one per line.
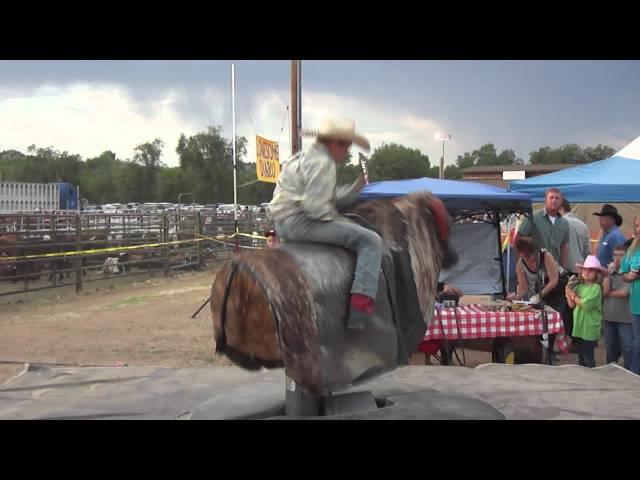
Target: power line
(284,117)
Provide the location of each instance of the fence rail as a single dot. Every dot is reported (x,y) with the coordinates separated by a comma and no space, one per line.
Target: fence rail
(40,251)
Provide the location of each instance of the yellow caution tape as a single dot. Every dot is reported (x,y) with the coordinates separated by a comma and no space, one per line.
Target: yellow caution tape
(98,250)
(247,235)
(133,247)
(233,245)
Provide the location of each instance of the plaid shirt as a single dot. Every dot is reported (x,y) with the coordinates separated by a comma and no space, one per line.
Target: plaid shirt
(306,185)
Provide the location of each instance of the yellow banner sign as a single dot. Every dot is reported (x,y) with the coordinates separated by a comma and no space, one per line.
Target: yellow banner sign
(268,160)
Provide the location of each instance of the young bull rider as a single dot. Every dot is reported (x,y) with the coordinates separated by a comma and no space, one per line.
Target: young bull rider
(303,209)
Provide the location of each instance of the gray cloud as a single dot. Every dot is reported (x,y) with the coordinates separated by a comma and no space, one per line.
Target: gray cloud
(521,105)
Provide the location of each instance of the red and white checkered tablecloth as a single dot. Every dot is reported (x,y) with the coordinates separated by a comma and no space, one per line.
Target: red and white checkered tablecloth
(472,321)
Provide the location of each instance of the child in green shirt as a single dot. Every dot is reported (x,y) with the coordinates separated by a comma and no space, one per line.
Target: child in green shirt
(586,301)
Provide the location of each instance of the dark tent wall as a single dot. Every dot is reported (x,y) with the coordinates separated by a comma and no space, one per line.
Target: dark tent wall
(478,271)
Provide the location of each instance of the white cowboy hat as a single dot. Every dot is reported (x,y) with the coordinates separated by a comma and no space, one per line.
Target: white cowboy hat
(339,130)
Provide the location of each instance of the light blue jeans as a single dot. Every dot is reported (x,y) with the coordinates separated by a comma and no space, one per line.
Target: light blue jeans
(342,232)
(635,324)
(618,339)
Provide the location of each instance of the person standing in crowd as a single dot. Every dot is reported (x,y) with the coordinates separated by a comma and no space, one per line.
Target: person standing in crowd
(610,235)
(272,239)
(579,243)
(586,301)
(549,229)
(528,269)
(532,264)
(618,337)
(446,289)
(579,249)
(630,270)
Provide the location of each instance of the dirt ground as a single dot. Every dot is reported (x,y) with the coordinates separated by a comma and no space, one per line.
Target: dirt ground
(133,320)
(136,320)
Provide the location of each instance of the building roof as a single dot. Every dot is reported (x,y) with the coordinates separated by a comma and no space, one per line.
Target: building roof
(552,167)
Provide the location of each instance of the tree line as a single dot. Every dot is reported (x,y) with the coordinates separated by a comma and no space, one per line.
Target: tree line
(206,168)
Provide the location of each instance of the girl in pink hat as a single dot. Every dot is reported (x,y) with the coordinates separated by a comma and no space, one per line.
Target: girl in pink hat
(586,301)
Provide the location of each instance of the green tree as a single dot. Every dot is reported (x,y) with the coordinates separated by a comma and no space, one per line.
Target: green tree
(99,178)
(11,165)
(349,170)
(209,158)
(174,181)
(250,190)
(487,155)
(347,173)
(508,157)
(148,156)
(452,172)
(48,165)
(396,162)
(601,152)
(465,161)
(132,183)
(569,153)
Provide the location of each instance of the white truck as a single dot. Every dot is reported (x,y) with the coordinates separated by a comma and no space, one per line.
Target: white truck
(18,197)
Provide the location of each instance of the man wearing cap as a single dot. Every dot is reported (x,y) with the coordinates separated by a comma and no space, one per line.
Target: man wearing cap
(303,209)
(611,235)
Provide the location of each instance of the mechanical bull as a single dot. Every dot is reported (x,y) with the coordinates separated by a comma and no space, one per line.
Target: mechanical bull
(288,306)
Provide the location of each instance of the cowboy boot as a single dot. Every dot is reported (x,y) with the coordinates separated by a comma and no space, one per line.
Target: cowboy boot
(361,311)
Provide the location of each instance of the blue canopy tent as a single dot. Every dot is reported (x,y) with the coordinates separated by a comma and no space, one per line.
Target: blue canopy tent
(614,180)
(480,260)
(458,196)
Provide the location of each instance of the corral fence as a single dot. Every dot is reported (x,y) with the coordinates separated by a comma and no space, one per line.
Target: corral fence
(47,250)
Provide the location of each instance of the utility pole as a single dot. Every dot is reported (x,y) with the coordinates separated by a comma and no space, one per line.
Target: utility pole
(296,106)
(297,401)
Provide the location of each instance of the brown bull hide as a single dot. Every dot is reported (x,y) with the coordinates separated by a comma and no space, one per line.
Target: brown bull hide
(270,315)
(256,335)
(419,224)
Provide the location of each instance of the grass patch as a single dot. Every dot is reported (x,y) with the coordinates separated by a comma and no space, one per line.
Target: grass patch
(128,301)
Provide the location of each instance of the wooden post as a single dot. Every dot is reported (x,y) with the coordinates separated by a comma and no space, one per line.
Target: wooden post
(28,263)
(165,249)
(78,257)
(54,239)
(296,116)
(199,243)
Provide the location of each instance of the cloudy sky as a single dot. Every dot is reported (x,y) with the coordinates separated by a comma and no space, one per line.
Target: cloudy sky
(87,107)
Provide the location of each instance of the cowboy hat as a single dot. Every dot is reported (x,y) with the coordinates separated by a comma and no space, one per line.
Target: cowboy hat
(592,262)
(339,130)
(610,211)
